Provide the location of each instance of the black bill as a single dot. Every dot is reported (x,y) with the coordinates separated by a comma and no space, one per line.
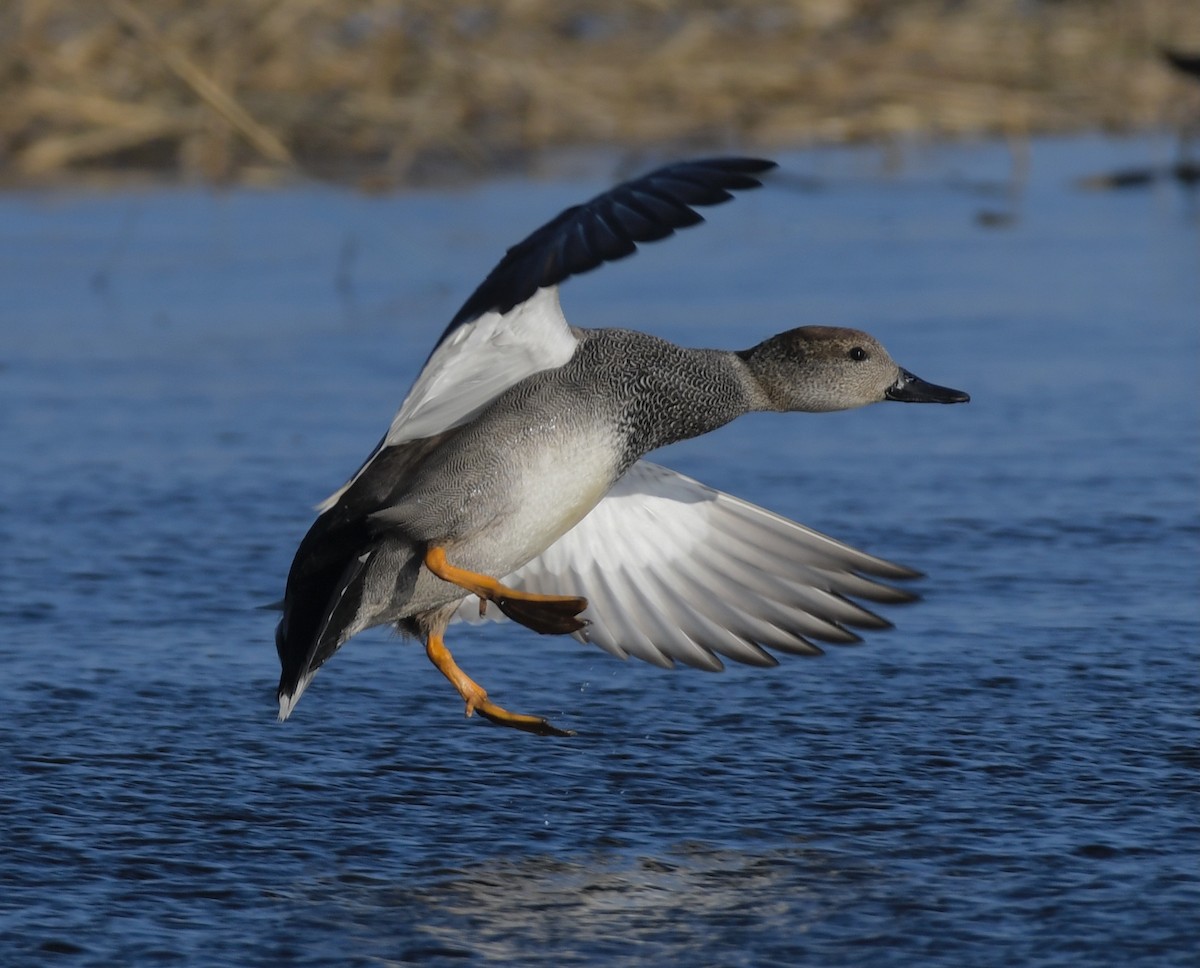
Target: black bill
(912,389)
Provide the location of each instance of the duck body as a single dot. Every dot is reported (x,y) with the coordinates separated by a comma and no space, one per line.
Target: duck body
(527,470)
(500,489)
(518,454)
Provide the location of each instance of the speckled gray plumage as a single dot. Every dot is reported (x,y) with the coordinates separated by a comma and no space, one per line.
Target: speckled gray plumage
(622,394)
(657,393)
(624,389)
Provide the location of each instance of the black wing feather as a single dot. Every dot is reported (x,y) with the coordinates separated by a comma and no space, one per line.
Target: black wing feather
(665,211)
(609,239)
(608,228)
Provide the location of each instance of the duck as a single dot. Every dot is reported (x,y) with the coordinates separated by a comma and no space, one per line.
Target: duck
(512,482)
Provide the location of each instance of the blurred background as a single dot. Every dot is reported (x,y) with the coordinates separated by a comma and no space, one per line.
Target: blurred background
(387,93)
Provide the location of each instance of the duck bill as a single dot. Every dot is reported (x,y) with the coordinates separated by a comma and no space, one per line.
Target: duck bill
(912,389)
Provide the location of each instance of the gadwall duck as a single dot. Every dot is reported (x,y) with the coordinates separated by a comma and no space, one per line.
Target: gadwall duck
(512,476)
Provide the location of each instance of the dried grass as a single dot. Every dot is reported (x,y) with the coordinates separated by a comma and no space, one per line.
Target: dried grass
(391,92)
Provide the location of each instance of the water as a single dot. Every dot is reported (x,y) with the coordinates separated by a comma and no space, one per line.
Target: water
(1008,777)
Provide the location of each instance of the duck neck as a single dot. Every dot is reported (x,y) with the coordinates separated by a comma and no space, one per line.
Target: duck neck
(675,393)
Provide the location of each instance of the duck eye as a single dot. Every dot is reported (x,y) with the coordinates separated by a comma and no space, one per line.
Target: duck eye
(858,353)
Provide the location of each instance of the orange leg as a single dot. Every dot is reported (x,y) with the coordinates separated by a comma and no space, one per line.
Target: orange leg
(476,696)
(550,614)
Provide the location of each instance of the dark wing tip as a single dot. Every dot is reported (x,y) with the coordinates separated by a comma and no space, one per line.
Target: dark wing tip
(609,227)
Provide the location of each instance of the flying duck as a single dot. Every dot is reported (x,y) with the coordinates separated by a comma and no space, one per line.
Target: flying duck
(513,476)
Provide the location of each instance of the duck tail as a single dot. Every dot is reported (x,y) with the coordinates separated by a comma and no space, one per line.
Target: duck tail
(343,580)
(349,573)
(322,602)
(297,668)
(312,628)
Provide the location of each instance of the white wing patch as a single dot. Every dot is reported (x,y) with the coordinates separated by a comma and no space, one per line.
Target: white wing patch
(674,570)
(474,365)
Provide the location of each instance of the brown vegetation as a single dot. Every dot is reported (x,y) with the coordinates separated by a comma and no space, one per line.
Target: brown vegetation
(395,91)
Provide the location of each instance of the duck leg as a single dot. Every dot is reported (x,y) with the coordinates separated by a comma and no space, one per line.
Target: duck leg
(548,614)
(476,696)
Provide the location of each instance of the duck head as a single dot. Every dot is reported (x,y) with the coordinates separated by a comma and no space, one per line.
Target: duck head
(822,368)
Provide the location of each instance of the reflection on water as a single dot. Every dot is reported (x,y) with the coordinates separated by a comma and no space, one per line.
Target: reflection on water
(695,904)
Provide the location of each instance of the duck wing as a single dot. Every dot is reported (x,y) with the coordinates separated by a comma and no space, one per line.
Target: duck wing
(607,228)
(674,570)
(512,325)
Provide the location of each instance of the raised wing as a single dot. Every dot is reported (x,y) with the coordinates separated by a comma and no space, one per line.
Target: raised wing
(674,570)
(607,228)
(512,326)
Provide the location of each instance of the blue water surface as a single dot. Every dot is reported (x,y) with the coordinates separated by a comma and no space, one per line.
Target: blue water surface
(1008,777)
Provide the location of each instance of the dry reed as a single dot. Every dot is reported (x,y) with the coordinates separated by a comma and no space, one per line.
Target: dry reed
(397,91)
